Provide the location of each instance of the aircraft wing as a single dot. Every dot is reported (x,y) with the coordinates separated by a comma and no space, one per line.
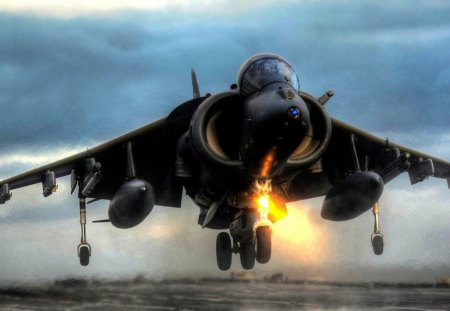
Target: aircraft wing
(387,157)
(350,148)
(154,152)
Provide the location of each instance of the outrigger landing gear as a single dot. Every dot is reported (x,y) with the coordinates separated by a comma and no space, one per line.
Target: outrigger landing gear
(84,249)
(377,237)
(87,180)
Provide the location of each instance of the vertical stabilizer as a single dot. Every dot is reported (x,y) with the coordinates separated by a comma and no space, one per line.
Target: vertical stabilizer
(195,88)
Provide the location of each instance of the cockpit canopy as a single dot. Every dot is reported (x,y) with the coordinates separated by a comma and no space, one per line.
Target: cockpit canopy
(263,69)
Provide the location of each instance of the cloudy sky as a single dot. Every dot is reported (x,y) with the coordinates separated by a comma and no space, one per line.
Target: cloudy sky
(76,74)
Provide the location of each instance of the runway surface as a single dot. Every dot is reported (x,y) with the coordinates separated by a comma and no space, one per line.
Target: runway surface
(221,295)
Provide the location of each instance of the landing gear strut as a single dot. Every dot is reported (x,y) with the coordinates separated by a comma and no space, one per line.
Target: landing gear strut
(262,229)
(84,249)
(91,174)
(377,237)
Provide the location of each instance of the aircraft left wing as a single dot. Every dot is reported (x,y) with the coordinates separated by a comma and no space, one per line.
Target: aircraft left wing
(389,159)
(153,148)
(352,149)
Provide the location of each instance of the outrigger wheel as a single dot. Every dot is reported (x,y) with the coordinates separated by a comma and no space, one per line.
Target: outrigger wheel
(377,237)
(84,252)
(377,243)
(84,249)
(223,251)
(263,244)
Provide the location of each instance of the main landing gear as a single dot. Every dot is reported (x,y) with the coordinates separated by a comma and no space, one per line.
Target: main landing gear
(251,232)
(377,237)
(223,251)
(258,249)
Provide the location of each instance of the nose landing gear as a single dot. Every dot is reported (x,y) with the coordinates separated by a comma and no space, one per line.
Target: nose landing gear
(262,229)
(377,237)
(263,244)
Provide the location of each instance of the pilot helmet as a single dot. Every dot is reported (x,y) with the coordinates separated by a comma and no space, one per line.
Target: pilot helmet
(264,69)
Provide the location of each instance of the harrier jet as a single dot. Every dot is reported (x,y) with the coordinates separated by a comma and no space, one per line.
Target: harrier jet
(241,155)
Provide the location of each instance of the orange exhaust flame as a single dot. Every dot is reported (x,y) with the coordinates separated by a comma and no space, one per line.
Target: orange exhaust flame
(301,238)
(266,205)
(263,201)
(263,204)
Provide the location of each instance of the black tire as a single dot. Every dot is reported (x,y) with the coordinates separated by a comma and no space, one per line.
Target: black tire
(378,244)
(263,244)
(247,254)
(84,255)
(223,251)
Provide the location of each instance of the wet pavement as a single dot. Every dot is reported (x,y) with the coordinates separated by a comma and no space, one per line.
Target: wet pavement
(222,295)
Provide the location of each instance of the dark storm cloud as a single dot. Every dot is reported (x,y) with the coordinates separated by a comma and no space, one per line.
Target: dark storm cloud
(67,80)
(64,79)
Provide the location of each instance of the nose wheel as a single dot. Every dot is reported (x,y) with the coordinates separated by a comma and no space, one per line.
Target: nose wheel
(377,237)
(263,244)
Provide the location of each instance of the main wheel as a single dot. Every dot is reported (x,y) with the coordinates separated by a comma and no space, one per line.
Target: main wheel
(247,254)
(84,255)
(263,244)
(377,244)
(223,251)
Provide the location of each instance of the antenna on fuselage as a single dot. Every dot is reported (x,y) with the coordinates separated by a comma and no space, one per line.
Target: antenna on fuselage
(325,97)
(195,88)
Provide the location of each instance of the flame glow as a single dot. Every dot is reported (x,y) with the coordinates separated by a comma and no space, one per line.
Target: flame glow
(300,238)
(263,201)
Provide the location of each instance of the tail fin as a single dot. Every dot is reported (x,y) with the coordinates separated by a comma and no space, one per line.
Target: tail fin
(195,88)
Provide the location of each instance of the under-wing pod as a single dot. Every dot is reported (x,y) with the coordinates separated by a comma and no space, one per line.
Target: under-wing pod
(352,196)
(5,194)
(131,203)
(92,175)
(420,170)
(48,183)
